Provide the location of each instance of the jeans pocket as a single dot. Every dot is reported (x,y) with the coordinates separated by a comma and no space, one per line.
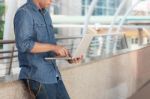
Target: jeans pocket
(35,87)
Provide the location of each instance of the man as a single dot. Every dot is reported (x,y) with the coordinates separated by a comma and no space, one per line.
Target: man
(35,40)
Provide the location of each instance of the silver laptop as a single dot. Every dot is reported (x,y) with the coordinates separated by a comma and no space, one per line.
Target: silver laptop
(81,49)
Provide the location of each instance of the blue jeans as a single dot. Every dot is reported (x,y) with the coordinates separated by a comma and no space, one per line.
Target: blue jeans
(47,91)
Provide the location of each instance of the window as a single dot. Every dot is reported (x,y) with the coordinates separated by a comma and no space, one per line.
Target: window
(103,7)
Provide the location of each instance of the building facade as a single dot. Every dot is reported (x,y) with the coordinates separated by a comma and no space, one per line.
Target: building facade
(103,7)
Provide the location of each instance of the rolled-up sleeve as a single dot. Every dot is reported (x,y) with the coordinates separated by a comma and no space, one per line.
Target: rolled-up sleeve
(23,27)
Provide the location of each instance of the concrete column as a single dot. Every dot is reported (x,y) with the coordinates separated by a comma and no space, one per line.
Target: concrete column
(21,2)
(11,7)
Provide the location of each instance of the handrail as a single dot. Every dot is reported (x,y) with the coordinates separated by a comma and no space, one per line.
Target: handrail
(8,51)
(7,41)
(8,57)
(57,38)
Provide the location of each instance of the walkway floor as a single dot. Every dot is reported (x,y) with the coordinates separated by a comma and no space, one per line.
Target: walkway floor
(143,93)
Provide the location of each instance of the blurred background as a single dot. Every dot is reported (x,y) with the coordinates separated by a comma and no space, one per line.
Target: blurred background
(129,19)
(120,27)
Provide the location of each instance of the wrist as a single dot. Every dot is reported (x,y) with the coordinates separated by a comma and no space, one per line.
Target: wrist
(52,47)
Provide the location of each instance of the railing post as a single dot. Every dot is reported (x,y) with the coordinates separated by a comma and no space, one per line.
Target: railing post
(11,60)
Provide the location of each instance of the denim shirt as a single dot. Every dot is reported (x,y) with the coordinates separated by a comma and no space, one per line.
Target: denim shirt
(33,25)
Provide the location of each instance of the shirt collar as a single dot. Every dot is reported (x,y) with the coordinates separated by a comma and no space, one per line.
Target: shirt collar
(35,7)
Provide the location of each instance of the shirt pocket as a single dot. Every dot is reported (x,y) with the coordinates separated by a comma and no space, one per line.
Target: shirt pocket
(41,32)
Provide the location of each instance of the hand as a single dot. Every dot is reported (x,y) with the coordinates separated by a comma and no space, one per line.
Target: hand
(75,60)
(61,51)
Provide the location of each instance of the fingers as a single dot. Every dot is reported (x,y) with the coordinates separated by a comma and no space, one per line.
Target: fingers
(64,52)
(79,59)
(76,60)
(61,51)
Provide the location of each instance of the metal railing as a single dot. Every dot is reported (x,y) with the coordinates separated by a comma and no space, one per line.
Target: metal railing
(7,56)
(96,48)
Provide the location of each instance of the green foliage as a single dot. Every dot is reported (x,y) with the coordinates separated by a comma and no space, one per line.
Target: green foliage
(1,29)
(2,11)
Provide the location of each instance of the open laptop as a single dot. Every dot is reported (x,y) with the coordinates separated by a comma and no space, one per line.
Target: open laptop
(80,50)
(84,44)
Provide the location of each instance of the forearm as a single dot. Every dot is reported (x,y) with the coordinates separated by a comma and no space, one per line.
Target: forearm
(42,47)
